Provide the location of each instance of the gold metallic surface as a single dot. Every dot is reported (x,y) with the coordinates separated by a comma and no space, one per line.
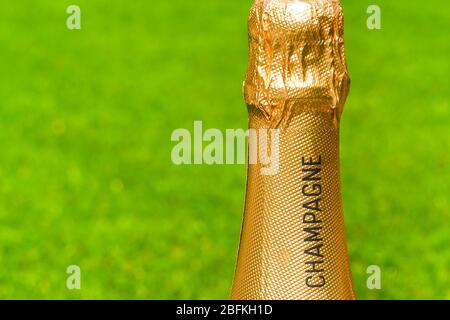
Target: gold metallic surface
(293,237)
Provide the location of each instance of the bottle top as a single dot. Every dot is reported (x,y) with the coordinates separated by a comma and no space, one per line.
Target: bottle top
(297,58)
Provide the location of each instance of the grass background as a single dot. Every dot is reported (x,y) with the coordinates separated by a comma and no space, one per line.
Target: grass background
(85,170)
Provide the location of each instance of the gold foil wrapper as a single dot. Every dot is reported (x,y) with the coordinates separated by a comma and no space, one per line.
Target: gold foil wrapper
(293,242)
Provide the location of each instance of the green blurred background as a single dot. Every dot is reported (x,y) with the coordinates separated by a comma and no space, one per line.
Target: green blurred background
(85,170)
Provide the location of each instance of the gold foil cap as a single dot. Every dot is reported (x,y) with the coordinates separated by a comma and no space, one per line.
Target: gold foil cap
(297,58)
(293,243)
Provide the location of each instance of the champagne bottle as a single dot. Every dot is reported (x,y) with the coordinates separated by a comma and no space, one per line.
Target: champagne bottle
(293,242)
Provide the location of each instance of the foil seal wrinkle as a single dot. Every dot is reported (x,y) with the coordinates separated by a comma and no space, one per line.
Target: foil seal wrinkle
(297,58)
